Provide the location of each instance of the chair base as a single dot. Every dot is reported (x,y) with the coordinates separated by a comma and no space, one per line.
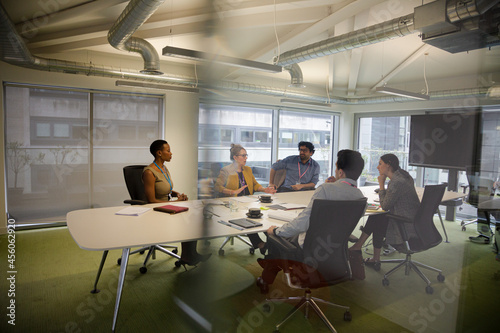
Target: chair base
(409,265)
(231,238)
(307,301)
(464,223)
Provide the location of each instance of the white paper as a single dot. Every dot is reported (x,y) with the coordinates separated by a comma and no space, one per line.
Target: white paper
(283,215)
(133,211)
(292,206)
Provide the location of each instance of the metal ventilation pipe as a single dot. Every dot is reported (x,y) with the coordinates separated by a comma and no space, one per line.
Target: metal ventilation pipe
(120,35)
(13,50)
(297,79)
(459,10)
(397,27)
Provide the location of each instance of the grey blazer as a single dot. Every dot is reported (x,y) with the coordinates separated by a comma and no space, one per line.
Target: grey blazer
(400,198)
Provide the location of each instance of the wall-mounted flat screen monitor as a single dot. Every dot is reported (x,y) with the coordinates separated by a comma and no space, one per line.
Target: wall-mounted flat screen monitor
(445,140)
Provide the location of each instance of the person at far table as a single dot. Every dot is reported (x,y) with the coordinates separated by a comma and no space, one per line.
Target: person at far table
(400,198)
(349,166)
(159,187)
(237,179)
(302,172)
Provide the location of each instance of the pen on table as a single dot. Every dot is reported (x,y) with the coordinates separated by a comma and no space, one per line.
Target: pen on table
(230,225)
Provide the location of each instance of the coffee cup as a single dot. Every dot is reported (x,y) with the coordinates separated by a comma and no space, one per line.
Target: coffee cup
(265,198)
(254,211)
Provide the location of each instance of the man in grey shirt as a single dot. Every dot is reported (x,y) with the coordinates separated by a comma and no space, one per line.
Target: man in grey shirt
(349,166)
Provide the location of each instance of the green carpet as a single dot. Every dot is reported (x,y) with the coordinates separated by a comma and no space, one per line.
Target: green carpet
(54,278)
(479,301)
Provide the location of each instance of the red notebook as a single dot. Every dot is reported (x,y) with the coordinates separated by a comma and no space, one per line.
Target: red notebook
(171,209)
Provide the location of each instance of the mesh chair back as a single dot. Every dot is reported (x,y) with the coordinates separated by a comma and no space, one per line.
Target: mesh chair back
(325,245)
(427,234)
(133,180)
(480,188)
(279,177)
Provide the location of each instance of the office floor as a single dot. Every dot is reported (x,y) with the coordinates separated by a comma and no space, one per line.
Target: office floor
(54,278)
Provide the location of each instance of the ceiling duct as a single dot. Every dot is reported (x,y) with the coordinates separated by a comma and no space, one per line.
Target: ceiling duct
(13,50)
(459,25)
(120,35)
(397,27)
(296,77)
(459,10)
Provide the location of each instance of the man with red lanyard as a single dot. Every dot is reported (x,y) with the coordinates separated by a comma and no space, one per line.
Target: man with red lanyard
(302,172)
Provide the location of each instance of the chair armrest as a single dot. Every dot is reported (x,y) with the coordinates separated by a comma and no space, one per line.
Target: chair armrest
(286,249)
(135,202)
(399,219)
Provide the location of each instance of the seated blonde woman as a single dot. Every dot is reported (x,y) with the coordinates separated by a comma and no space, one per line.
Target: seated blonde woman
(237,179)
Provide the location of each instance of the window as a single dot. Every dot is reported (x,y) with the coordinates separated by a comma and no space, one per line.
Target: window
(381,135)
(315,128)
(57,163)
(219,126)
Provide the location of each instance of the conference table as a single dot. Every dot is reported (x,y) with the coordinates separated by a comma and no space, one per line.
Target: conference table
(101,229)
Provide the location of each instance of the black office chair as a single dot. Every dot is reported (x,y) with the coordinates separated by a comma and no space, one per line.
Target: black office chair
(427,236)
(323,260)
(135,187)
(481,189)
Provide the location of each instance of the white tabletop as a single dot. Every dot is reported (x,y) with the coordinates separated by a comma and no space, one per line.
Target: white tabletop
(101,229)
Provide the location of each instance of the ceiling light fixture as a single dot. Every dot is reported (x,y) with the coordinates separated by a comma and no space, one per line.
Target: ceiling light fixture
(299,102)
(402,93)
(225,60)
(147,85)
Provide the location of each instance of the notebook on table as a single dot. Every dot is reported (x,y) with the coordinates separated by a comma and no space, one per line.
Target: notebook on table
(171,209)
(245,223)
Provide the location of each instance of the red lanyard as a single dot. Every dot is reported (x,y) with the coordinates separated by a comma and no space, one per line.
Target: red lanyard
(348,183)
(300,175)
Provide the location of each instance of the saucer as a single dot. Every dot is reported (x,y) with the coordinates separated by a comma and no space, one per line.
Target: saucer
(266,201)
(254,216)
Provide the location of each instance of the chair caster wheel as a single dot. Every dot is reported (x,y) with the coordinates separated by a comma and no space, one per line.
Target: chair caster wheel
(119,261)
(464,228)
(347,316)
(175,251)
(251,250)
(178,263)
(141,252)
(266,308)
(440,278)
(429,290)
(221,252)
(143,270)
(385,282)
(376,266)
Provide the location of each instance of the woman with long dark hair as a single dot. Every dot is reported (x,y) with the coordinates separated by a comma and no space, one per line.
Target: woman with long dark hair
(400,198)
